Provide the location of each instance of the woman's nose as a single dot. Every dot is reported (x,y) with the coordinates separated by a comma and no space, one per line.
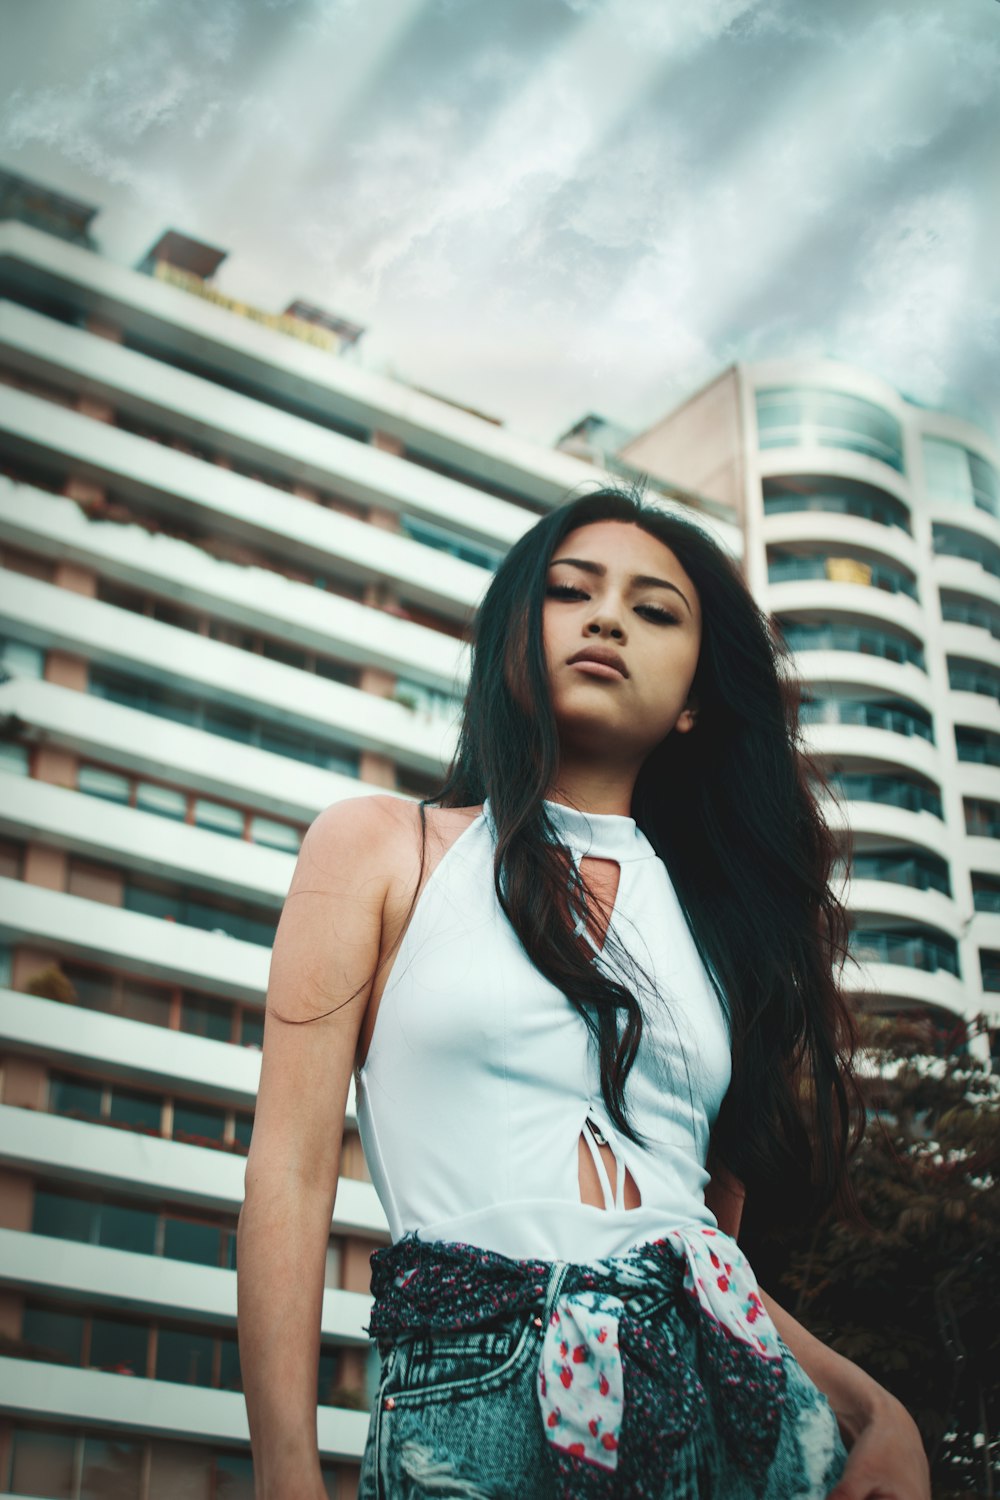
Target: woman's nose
(606,627)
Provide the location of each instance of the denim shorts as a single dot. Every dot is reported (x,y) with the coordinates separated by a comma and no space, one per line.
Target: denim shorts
(457,1415)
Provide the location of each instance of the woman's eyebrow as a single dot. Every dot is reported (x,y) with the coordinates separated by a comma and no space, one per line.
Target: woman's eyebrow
(639,580)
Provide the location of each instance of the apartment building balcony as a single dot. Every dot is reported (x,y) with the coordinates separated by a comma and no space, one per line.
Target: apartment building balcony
(867,818)
(966,559)
(885,791)
(170,484)
(154,1286)
(124,1404)
(135,841)
(893,899)
(176,328)
(899,964)
(118,1048)
(238,594)
(142,1165)
(230,425)
(147,946)
(153,652)
(161,749)
(895,732)
(825,498)
(892,621)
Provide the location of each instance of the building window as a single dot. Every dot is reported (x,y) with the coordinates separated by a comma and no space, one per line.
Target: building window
(807,417)
(275,835)
(109,785)
(203,1016)
(435,703)
(56,1337)
(43,1463)
(164,801)
(198,1125)
(982,818)
(443,540)
(11,859)
(75,1098)
(118,1346)
(18,659)
(954,476)
(94,882)
(63,1217)
(186,1239)
(252,1029)
(135,1110)
(219,817)
(233,724)
(14,758)
(124,1228)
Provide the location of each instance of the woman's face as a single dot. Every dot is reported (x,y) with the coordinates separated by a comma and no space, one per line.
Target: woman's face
(614,589)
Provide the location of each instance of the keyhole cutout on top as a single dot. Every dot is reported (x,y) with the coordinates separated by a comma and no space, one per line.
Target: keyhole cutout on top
(603,877)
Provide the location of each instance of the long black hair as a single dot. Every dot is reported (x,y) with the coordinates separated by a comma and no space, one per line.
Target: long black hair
(730,808)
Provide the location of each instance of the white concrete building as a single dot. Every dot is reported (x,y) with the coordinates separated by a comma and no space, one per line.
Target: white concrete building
(872,538)
(238,572)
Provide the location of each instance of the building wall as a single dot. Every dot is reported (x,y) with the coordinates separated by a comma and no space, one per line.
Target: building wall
(699,445)
(238,579)
(872,539)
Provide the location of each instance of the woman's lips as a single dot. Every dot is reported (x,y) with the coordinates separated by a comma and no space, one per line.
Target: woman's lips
(597,669)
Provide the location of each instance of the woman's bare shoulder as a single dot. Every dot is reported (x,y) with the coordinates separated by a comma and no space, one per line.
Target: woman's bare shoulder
(378,826)
(365,829)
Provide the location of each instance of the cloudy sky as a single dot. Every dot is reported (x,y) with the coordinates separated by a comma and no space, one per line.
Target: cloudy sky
(548,207)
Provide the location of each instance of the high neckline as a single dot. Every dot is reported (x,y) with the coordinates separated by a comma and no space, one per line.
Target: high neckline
(595,835)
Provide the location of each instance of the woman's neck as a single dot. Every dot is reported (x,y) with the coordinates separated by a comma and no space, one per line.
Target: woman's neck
(593,791)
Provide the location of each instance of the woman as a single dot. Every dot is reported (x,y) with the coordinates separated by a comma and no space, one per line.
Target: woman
(572,1065)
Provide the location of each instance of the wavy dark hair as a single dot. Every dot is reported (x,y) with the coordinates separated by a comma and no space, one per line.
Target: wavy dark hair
(731,809)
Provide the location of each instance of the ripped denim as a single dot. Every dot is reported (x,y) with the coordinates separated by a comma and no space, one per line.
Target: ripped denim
(656,1375)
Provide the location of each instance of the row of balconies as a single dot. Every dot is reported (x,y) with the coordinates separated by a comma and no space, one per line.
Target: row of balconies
(134,1163)
(821,509)
(181,332)
(208,962)
(130,669)
(972,743)
(246,697)
(161,482)
(150,1411)
(220,877)
(63,1457)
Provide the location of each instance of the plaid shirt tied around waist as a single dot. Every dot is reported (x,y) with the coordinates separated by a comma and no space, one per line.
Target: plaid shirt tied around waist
(611,1387)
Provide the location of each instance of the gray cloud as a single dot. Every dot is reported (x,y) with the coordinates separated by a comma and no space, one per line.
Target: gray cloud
(548,206)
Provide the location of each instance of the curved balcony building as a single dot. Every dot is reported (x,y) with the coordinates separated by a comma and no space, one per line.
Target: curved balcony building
(872,538)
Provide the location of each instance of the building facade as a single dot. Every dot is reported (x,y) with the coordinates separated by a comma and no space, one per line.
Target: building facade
(238,571)
(872,540)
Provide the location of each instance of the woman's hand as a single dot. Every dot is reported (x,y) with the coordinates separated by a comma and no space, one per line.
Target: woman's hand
(886,1459)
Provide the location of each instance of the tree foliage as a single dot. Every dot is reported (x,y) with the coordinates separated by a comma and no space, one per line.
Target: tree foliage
(912,1294)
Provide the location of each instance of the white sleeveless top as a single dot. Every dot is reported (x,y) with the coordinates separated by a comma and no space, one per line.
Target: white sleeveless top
(480,1075)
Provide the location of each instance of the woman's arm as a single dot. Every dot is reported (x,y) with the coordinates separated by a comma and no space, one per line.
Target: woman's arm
(887,1459)
(326,947)
(886,1454)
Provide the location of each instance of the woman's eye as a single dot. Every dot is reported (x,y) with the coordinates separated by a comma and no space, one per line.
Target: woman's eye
(564,591)
(661,616)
